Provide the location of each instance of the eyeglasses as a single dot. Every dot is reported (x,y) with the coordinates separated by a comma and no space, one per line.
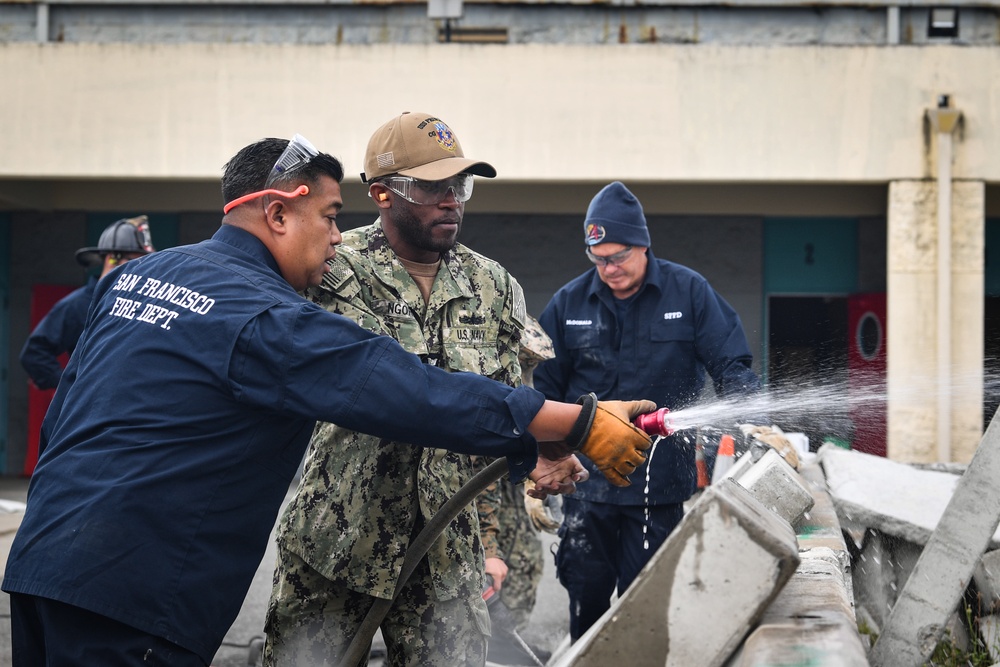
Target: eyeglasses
(616,259)
(428,193)
(297,154)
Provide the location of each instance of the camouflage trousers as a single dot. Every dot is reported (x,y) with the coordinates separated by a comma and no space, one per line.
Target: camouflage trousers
(312,620)
(523,551)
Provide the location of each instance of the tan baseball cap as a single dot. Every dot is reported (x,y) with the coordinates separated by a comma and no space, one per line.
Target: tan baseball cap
(420,145)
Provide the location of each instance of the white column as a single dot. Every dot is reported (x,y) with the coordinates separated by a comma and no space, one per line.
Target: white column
(912,321)
(42,22)
(892,25)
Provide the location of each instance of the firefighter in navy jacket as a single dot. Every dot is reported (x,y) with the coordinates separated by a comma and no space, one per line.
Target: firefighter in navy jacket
(60,329)
(633,326)
(187,406)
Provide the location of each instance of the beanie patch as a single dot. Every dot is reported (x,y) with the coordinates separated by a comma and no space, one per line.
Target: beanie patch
(594,234)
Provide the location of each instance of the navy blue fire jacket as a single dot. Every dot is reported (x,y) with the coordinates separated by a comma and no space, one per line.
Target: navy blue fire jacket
(676,328)
(181,420)
(58,332)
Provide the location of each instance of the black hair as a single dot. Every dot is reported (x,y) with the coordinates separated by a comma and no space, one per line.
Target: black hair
(248,170)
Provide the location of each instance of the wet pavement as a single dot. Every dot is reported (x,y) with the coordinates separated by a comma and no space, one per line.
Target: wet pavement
(13,491)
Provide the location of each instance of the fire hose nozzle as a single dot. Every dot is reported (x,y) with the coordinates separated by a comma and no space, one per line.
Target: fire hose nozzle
(655,423)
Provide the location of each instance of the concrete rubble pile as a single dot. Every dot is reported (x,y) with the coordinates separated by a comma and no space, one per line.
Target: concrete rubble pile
(778,566)
(890,511)
(757,573)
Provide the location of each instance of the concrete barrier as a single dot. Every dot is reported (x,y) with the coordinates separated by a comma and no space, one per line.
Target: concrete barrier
(812,620)
(703,590)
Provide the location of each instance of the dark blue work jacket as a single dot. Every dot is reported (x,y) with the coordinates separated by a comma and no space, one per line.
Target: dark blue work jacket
(58,332)
(675,329)
(181,420)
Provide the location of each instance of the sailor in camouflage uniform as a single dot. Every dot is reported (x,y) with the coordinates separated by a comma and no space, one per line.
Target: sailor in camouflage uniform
(343,537)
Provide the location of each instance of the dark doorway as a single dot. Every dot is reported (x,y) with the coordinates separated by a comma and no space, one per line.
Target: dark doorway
(808,347)
(991,357)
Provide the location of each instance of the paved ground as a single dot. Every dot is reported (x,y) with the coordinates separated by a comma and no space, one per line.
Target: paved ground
(548,626)
(14,490)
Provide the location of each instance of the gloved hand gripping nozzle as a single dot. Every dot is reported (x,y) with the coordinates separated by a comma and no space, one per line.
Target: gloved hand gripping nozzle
(604,433)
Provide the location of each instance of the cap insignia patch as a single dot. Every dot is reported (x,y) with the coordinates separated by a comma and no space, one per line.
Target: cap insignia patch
(444,136)
(595,234)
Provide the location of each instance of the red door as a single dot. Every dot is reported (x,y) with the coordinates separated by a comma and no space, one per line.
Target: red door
(866,361)
(43,297)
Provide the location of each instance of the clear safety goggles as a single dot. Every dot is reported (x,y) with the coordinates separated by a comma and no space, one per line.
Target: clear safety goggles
(296,155)
(428,193)
(616,259)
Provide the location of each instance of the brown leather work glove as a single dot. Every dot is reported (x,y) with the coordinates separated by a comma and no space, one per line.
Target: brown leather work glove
(539,511)
(604,433)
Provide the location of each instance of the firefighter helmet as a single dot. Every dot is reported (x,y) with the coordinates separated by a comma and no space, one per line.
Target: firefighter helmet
(128,235)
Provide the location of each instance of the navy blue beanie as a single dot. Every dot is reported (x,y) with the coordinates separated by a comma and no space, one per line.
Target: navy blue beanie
(615,216)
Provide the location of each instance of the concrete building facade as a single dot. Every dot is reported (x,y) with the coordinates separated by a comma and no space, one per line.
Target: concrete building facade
(794,154)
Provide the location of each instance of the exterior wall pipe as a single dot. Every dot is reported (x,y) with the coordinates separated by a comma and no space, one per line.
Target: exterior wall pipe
(944,120)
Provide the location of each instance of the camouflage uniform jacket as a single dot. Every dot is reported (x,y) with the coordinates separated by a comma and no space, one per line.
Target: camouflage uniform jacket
(358,504)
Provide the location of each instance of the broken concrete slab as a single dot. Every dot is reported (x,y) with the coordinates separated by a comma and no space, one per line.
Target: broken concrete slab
(957,632)
(987,578)
(702,591)
(874,582)
(989,632)
(947,562)
(896,498)
(880,570)
(777,486)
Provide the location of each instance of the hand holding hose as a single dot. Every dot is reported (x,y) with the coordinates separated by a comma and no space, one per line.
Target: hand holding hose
(604,433)
(556,477)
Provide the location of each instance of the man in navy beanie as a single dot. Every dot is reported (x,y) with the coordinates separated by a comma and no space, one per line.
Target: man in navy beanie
(633,326)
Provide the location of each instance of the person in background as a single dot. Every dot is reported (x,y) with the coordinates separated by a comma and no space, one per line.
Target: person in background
(633,325)
(185,410)
(521,517)
(405,276)
(60,329)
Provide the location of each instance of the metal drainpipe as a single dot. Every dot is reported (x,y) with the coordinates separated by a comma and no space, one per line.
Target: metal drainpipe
(944,119)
